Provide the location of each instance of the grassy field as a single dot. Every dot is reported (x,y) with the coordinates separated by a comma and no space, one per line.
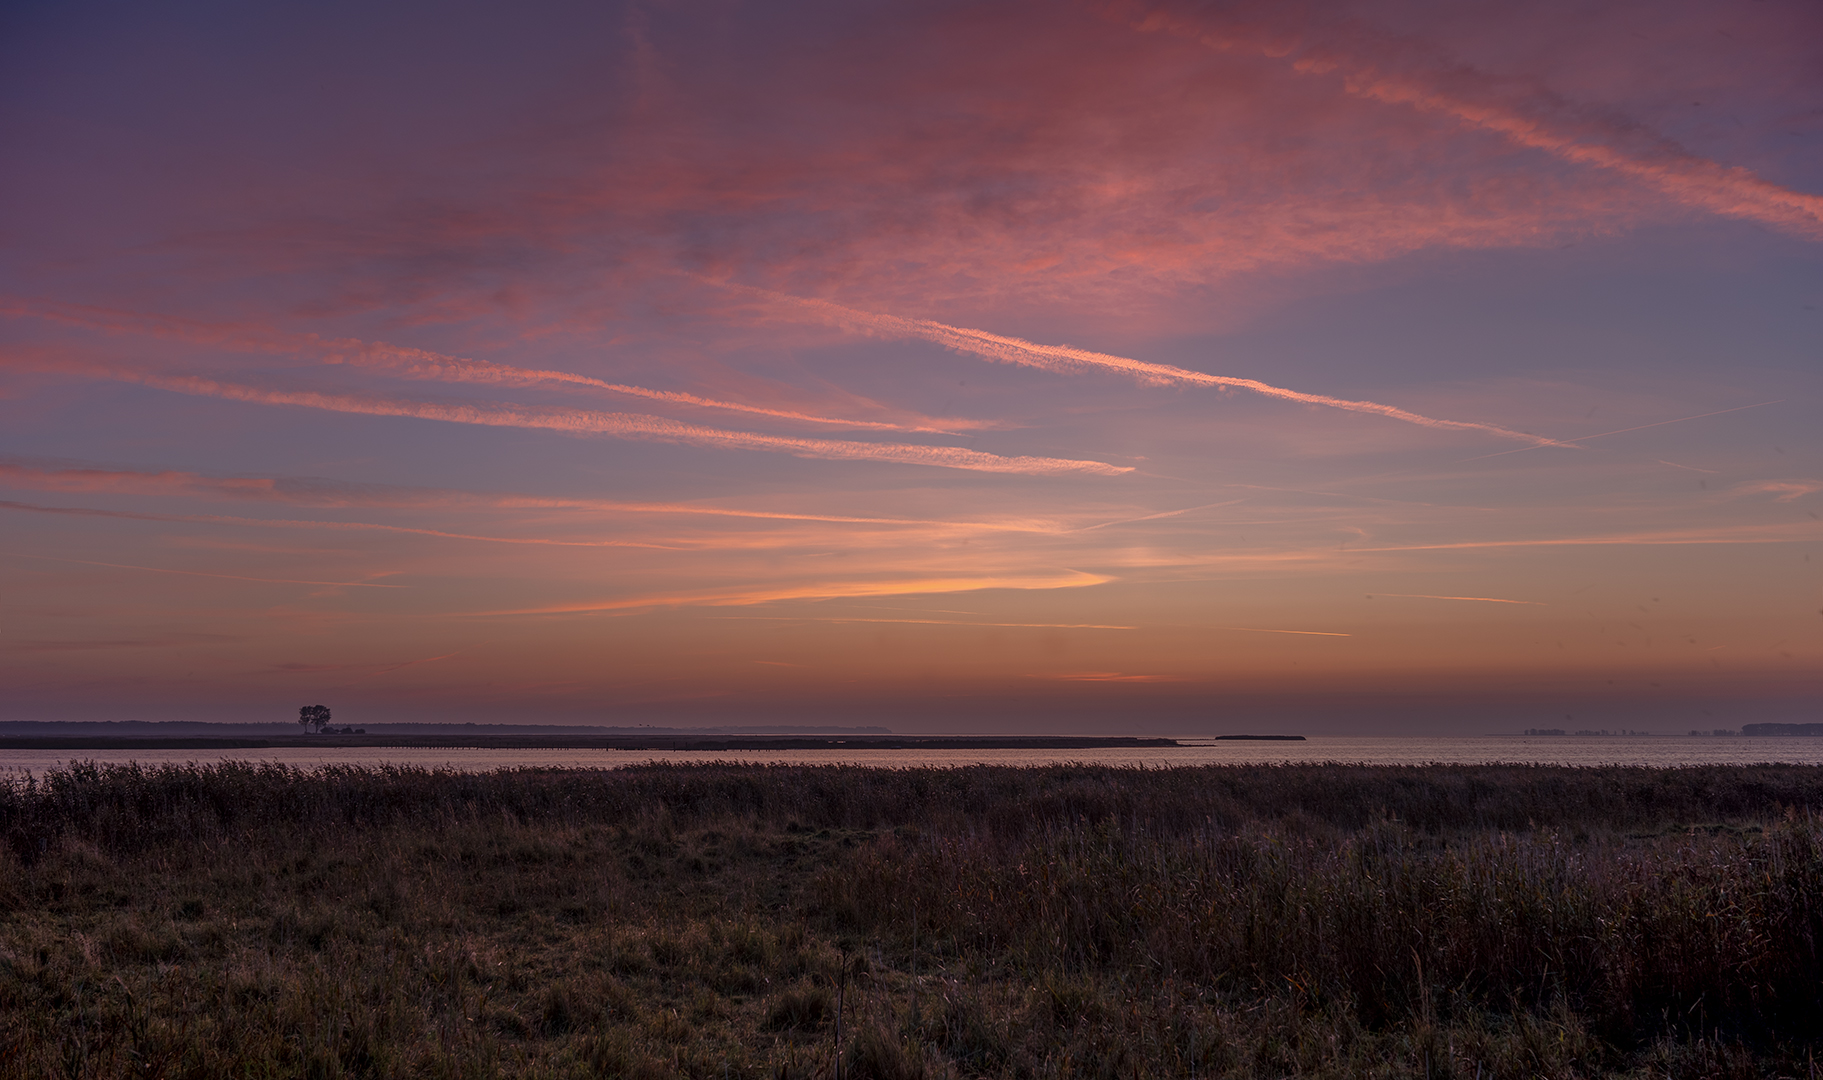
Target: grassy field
(779,921)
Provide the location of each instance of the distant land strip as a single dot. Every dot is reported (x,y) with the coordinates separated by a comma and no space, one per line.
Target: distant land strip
(1782,729)
(584,742)
(1259,738)
(208,729)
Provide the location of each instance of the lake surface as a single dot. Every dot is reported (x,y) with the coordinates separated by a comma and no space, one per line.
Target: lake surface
(1662,751)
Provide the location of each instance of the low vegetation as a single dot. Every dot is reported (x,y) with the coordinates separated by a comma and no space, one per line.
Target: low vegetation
(723,921)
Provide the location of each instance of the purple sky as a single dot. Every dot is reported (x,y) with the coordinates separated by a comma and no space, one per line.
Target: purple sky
(1357,367)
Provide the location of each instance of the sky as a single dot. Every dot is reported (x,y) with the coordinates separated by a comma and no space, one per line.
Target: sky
(1134,368)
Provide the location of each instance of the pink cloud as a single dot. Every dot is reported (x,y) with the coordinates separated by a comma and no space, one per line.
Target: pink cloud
(1012,350)
(1397,72)
(409,362)
(589,422)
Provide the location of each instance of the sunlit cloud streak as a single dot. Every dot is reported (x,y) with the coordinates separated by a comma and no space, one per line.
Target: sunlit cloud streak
(619,425)
(1539,120)
(404,361)
(1064,358)
(199,573)
(830,590)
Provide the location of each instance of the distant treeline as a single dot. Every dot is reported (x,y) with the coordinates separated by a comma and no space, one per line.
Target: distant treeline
(1782,729)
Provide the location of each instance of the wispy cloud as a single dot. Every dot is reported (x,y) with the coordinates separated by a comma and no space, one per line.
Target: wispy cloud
(311,491)
(407,361)
(1159,516)
(1781,490)
(317,492)
(826,590)
(1580,439)
(1404,74)
(1065,358)
(619,425)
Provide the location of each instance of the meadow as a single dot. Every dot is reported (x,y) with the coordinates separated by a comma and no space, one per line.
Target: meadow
(813,921)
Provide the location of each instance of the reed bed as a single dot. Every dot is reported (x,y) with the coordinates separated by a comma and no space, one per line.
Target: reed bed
(788,921)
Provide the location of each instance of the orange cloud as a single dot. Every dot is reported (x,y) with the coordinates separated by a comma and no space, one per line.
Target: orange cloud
(829,590)
(1781,490)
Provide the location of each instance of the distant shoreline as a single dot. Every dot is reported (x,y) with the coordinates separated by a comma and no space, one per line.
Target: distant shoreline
(618,742)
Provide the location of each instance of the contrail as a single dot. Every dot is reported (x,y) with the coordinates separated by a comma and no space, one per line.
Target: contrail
(1728,190)
(622,425)
(1164,514)
(1541,121)
(1012,350)
(400,360)
(1580,439)
(420,364)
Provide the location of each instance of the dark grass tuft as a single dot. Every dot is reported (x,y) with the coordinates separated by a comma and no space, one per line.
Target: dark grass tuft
(1322,920)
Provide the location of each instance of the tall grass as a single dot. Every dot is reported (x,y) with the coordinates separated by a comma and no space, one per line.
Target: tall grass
(241,920)
(122,807)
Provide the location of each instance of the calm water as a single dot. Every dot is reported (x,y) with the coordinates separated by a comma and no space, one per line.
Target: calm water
(1663,751)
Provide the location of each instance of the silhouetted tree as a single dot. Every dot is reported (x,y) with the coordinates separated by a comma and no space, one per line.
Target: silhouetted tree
(314,716)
